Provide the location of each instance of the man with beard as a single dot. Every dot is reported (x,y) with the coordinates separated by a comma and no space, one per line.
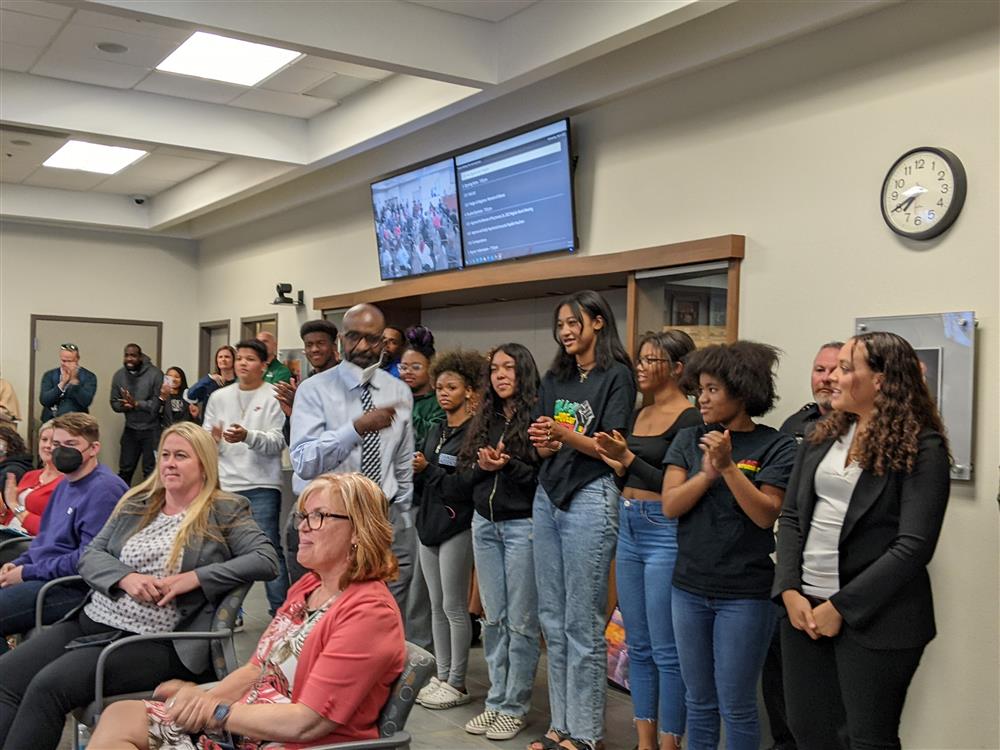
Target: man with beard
(393,343)
(355,417)
(135,392)
(76,512)
(319,340)
(799,426)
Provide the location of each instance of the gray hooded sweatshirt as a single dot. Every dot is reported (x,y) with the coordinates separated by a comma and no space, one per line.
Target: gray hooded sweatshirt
(144,386)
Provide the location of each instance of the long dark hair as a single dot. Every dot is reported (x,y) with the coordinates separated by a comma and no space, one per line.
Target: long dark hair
(609,346)
(182,386)
(490,410)
(903,407)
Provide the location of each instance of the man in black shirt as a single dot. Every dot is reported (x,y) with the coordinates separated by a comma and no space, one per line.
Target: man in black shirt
(798,425)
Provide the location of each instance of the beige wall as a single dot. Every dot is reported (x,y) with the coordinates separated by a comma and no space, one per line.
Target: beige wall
(787,146)
(85,273)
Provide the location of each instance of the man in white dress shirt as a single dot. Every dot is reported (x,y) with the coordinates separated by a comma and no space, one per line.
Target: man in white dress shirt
(356,417)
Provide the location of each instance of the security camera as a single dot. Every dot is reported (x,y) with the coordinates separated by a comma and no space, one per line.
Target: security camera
(140,200)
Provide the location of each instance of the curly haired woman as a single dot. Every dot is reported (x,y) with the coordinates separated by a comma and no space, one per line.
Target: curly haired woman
(861,519)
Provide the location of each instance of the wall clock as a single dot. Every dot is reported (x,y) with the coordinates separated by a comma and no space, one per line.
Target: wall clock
(923,192)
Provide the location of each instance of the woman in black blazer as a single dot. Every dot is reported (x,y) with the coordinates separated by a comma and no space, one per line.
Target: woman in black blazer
(860,521)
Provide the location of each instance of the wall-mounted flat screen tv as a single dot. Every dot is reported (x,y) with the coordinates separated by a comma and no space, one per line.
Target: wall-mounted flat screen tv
(416,221)
(516,196)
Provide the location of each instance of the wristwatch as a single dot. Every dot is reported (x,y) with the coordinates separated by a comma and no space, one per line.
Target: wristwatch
(19,509)
(221,714)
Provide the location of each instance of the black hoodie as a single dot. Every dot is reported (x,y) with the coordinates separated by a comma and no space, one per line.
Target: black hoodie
(509,493)
(144,386)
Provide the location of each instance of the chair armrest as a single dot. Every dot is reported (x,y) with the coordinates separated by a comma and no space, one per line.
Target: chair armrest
(43,592)
(399,739)
(130,639)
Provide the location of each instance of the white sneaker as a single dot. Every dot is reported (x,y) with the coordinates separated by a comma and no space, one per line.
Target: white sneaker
(505,727)
(428,689)
(480,724)
(446,696)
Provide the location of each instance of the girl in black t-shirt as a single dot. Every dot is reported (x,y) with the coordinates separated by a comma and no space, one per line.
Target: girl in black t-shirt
(589,389)
(725,482)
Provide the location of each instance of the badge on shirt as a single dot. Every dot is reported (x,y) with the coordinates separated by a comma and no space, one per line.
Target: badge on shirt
(749,467)
(447,459)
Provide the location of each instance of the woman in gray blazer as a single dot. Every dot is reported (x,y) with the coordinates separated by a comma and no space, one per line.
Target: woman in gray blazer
(173,548)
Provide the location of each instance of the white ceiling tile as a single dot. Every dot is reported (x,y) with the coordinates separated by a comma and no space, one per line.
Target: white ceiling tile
(88,70)
(345,68)
(29,31)
(339,87)
(64,179)
(170,168)
(188,87)
(15,170)
(130,25)
(128,184)
(16,57)
(282,103)
(38,8)
(38,148)
(296,78)
(487,10)
(81,41)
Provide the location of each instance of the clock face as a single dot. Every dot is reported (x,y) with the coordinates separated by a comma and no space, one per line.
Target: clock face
(923,193)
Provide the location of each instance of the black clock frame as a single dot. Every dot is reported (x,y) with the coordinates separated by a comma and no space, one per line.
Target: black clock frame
(957,201)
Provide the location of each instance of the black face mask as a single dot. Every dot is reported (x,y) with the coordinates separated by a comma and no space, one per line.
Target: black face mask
(66,459)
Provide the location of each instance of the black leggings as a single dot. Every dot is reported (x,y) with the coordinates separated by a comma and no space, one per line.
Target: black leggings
(41,682)
(839,694)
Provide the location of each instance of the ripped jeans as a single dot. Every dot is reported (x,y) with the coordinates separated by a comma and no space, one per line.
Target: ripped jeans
(505,569)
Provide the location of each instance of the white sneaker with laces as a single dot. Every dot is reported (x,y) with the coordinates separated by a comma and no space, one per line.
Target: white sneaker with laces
(505,727)
(428,689)
(481,724)
(446,696)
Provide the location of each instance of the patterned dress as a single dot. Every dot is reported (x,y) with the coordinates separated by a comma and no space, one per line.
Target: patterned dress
(277,656)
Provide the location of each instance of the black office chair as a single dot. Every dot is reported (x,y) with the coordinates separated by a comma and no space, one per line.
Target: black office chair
(417,671)
(222,647)
(14,547)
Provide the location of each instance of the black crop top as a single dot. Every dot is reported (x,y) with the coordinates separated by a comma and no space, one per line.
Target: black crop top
(646,471)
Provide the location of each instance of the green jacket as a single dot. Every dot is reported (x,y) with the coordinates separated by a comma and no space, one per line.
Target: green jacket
(426,412)
(277,371)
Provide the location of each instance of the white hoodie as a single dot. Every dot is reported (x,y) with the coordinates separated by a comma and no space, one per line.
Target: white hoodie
(256,462)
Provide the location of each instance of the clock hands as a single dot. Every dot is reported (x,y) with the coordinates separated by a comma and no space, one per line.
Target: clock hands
(911,195)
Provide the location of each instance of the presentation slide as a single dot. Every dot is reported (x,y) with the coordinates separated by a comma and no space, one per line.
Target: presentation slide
(516,196)
(416,221)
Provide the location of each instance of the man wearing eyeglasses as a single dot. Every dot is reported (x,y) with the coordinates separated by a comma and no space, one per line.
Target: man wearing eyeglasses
(68,387)
(355,417)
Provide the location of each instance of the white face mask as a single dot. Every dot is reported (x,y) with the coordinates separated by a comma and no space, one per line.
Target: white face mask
(369,372)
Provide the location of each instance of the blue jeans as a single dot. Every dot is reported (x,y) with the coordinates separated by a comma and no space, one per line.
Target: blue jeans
(17,606)
(505,567)
(644,566)
(265,505)
(573,550)
(722,644)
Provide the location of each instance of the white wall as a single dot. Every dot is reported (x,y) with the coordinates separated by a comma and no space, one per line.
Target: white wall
(84,273)
(787,146)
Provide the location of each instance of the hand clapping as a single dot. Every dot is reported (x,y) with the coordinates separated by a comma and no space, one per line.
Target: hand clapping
(493,459)
(717,453)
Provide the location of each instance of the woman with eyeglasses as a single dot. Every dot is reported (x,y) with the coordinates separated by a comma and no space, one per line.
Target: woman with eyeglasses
(324,667)
(415,371)
(647,540)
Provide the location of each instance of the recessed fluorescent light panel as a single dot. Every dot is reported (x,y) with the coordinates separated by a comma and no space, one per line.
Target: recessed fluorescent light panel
(222,59)
(93,157)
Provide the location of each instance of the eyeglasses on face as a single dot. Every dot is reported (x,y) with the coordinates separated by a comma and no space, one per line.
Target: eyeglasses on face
(314,520)
(411,368)
(649,361)
(355,337)
(69,347)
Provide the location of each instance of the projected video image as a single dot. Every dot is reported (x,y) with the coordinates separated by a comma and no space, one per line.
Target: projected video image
(416,222)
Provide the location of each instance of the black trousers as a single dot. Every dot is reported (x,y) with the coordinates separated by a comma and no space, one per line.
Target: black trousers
(136,444)
(41,682)
(839,694)
(772,688)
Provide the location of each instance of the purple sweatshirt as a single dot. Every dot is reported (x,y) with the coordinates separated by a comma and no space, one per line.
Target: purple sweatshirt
(75,514)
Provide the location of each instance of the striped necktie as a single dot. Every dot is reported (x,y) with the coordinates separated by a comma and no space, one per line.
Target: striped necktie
(371,456)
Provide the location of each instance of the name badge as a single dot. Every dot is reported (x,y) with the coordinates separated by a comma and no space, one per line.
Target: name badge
(447,459)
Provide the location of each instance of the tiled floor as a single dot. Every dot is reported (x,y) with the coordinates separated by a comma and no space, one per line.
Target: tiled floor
(442,730)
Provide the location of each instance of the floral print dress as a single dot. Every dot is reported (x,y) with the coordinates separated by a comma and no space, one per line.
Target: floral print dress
(277,656)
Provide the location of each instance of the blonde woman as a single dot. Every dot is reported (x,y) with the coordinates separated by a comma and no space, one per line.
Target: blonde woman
(323,668)
(173,547)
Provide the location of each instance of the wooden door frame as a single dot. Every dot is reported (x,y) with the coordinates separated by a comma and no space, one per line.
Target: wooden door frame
(256,319)
(204,340)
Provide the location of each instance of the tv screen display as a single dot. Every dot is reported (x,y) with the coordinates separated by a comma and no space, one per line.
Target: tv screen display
(416,221)
(516,196)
